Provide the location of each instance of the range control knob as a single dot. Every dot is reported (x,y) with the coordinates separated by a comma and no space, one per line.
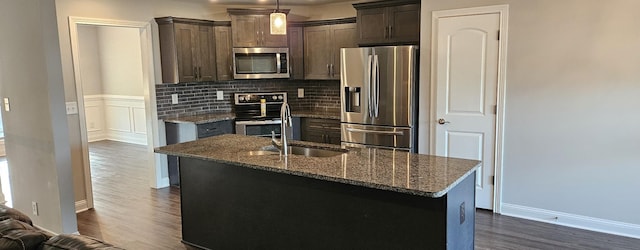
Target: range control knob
(241,98)
(274,97)
(280,97)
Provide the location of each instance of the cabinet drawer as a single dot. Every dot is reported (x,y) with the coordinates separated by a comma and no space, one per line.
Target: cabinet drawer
(215,128)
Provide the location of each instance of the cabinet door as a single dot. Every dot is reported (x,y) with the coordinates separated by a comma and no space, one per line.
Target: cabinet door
(224,61)
(404,22)
(245,30)
(268,40)
(296,52)
(343,36)
(317,52)
(372,26)
(206,54)
(186,42)
(214,128)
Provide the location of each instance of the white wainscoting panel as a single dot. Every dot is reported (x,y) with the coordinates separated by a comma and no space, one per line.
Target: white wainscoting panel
(117,118)
(572,220)
(94,114)
(139,121)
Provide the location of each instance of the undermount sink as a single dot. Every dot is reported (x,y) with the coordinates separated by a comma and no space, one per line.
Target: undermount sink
(299,150)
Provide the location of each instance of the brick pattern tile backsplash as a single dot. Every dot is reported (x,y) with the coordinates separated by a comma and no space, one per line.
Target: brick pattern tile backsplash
(201,98)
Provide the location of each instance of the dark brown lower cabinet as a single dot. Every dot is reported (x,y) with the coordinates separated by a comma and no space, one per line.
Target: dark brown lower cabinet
(320,130)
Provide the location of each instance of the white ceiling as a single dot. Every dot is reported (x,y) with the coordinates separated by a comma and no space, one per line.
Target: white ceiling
(272,2)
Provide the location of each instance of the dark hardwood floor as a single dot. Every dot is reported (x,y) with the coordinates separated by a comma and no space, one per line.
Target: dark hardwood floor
(131,215)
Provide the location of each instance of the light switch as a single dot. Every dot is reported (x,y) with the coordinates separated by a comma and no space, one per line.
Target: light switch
(174,98)
(6,104)
(220,95)
(72,108)
(300,93)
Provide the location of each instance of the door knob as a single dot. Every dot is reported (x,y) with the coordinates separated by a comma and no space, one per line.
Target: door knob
(442,121)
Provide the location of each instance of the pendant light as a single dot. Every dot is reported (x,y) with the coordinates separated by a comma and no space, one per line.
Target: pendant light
(278,21)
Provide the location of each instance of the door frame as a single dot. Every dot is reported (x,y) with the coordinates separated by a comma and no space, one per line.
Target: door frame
(503,11)
(148,85)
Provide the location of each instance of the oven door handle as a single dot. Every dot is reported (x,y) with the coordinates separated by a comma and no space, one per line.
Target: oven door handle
(259,122)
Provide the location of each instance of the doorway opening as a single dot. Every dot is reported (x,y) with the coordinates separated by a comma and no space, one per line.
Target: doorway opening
(115,89)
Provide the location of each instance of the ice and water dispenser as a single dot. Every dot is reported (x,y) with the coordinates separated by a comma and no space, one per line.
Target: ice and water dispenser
(352,99)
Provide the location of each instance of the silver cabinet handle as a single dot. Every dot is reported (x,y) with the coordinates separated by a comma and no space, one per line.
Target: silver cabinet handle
(333,71)
(375,131)
(386,32)
(328,70)
(442,121)
(390,33)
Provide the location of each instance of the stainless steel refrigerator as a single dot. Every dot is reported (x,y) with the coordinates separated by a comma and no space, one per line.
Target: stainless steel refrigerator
(378,90)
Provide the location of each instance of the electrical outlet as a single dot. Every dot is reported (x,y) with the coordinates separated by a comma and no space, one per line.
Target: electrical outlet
(300,93)
(174,98)
(72,108)
(34,207)
(220,95)
(462,213)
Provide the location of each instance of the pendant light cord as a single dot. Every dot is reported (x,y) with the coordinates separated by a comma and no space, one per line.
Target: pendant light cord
(277,6)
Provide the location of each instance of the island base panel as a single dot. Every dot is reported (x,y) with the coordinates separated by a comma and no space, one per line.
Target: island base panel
(232,207)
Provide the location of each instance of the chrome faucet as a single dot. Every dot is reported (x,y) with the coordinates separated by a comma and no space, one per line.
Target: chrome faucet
(285,117)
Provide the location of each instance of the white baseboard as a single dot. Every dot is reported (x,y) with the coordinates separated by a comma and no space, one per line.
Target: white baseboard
(572,220)
(164,183)
(81,206)
(93,136)
(44,229)
(140,139)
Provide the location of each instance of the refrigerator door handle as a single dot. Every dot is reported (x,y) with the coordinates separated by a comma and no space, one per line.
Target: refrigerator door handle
(369,85)
(398,133)
(376,77)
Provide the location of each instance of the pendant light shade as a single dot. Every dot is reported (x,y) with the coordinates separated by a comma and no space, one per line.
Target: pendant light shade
(278,21)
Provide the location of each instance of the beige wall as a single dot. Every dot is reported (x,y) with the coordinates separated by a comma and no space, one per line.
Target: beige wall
(110,59)
(37,141)
(121,61)
(571,137)
(89,56)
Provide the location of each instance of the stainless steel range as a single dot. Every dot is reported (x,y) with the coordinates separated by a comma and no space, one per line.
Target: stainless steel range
(258,113)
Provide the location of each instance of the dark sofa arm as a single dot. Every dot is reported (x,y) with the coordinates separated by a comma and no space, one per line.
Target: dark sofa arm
(76,242)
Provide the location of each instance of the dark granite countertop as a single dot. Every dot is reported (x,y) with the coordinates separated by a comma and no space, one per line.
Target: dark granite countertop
(200,119)
(316,114)
(215,117)
(423,175)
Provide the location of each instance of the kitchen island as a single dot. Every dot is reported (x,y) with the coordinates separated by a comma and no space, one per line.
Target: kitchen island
(235,194)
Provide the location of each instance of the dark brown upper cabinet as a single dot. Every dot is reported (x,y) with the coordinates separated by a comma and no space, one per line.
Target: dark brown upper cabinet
(296,51)
(187,50)
(322,43)
(224,59)
(388,22)
(250,29)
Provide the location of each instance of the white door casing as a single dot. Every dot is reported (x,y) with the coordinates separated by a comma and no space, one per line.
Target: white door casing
(465,92)
(148,78)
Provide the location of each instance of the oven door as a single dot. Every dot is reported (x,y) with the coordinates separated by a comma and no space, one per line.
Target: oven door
(258,128)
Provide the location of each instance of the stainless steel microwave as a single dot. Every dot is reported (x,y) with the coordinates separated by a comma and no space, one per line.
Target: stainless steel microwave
(260,63)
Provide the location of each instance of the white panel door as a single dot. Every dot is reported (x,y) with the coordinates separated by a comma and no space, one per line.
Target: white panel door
(466,86)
